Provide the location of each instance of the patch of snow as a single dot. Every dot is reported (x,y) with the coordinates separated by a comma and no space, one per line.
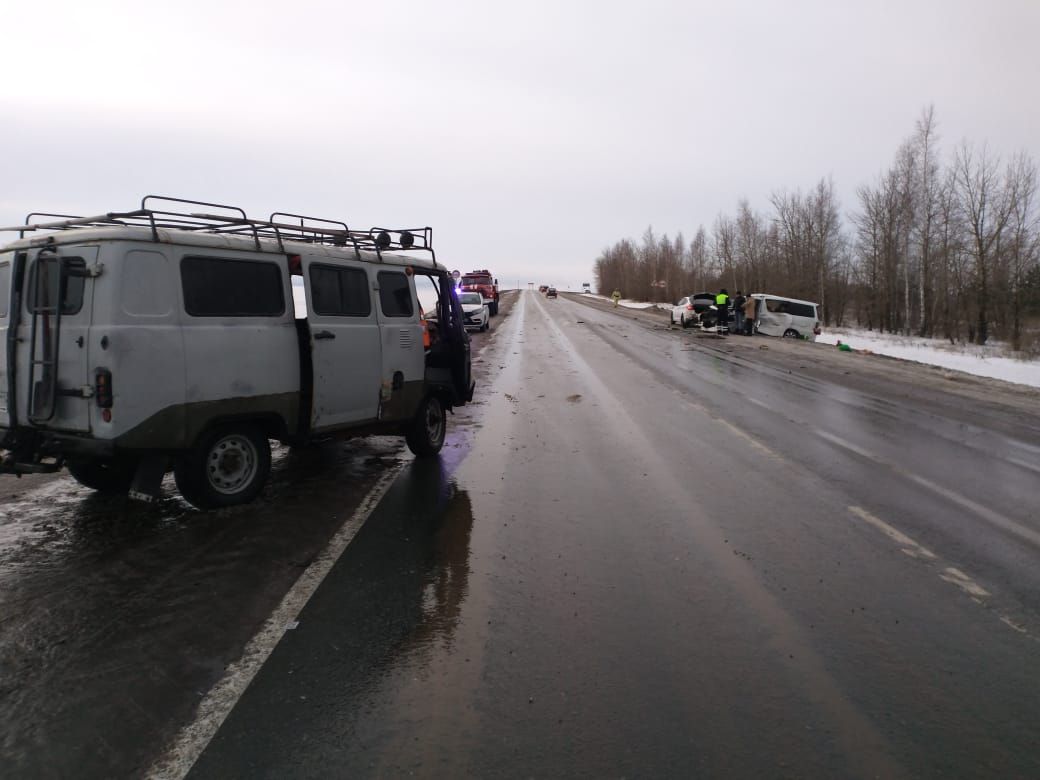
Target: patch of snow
(987,361)
(627,303)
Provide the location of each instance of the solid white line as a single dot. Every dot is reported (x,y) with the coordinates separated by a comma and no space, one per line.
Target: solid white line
(177,761)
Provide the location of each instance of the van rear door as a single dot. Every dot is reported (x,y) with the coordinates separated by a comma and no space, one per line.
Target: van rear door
(345,345)
(52,382)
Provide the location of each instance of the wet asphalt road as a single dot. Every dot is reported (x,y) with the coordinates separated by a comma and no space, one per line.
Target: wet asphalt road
(648,555)
(643,552)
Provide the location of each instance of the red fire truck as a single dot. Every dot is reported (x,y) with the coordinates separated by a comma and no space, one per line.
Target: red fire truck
(483,283)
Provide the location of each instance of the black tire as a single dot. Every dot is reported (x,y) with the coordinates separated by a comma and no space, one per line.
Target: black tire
(227,466)
(493,308)
(791,333)
(484,327)
(671,318)
(683,321)
(425,436)
(110,475)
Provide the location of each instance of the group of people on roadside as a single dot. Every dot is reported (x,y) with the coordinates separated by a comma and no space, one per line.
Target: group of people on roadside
(743,313)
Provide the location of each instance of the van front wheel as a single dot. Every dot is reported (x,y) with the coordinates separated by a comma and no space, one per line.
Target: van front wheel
(425,436)
(227,466)
(113,475)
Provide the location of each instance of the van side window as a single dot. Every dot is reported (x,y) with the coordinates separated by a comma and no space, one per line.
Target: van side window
(801,310)
(43,285)
(340,292)
(5,287)
(219,287)
(395,295)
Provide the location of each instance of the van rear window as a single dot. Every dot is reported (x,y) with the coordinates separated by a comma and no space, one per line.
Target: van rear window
(219,287)
(44,277)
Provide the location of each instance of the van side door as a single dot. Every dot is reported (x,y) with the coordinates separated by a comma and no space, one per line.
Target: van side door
(772,321)
(345,344)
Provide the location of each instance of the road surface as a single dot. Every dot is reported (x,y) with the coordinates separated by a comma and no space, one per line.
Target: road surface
(643,552)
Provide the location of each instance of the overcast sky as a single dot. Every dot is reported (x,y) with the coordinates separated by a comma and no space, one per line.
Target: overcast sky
(529,135)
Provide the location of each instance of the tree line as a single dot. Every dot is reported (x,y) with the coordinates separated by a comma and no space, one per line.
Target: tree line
(938,246)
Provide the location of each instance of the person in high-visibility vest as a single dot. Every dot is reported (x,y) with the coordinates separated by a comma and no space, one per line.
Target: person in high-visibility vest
(722,312)
(615,296)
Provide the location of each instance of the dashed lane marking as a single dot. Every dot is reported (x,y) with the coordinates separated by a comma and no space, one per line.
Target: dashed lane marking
(956,577)
(906,544)
(950,574)
(997,519)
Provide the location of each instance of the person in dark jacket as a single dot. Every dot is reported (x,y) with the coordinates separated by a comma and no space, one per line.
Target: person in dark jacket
(738,312)
(722,312)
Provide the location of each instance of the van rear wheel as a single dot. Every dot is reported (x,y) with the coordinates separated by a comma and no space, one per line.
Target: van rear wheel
(791,333)
(226,467)
(108,475)
(425,436)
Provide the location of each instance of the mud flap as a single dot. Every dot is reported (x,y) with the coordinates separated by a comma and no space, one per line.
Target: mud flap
(147,484)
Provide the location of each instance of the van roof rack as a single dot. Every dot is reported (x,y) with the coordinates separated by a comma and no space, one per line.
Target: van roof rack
(168,213)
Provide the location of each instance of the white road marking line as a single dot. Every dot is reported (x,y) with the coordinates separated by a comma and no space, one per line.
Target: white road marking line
(1007,524)
(1009,622)
(950,574)
(222,697)
(955,576)
(755,443)
(1024,464)
(907,545)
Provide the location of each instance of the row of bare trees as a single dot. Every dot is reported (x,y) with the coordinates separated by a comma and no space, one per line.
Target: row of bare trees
(933,248)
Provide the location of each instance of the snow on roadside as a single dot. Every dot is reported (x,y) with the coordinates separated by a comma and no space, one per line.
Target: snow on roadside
(627,303)
(970,358)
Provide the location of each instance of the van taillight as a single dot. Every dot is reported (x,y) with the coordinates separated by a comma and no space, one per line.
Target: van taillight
(689,307)
(103,388)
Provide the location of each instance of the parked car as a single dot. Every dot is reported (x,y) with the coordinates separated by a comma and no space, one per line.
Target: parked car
(694,311)
(550,293)
(475,312)
(786,317)
(168,337)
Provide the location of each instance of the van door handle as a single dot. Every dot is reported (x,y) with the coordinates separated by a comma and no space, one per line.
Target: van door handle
(324,334)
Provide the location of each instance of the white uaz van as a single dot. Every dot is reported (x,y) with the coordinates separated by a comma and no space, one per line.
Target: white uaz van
(130,342)
(787,317)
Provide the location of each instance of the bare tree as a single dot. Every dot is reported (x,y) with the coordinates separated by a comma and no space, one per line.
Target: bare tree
(986,207)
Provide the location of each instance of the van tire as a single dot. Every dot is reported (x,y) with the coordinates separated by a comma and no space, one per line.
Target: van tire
(791,333)
(109,475)
(425,436)
(227,466)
